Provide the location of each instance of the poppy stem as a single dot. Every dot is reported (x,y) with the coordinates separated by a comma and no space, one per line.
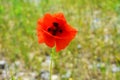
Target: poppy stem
(51,69)
(51,63)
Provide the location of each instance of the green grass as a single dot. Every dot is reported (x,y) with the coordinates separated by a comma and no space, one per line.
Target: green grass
(98,23)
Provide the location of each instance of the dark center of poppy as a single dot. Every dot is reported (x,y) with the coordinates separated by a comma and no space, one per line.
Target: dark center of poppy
(55,24)
(55,29)
(60,31)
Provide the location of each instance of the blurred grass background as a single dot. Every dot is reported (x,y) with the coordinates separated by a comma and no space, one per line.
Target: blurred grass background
(93,55)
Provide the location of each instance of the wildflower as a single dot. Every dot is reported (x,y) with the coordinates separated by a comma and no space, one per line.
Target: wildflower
(53,30)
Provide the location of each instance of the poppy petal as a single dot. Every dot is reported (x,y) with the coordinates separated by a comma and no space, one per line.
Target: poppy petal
(64,33)
(48,39)
(65,38)
(40,21)
(62,43)
(40,37)
(60,16)
(48,20)
(45,37)
(68,32)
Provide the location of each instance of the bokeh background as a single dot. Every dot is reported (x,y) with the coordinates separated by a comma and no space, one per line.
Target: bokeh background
(94,54)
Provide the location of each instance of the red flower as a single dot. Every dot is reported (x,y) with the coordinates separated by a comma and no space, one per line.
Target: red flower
(55,31)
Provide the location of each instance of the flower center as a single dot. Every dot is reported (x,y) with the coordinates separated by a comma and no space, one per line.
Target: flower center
(55,29)
(55,24)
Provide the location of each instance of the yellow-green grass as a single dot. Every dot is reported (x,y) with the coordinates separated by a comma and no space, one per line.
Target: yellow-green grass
(97,41)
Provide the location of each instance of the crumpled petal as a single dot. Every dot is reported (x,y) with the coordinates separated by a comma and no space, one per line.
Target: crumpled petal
(49,40)
(61,43)
(40,35)
(47,20)
(46,37)
(61,40)
(68,32)
(59,16)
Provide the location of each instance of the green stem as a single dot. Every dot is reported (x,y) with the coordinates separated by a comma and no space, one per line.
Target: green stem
(51,63)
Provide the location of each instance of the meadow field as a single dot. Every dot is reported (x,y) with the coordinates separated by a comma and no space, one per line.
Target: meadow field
(94,54)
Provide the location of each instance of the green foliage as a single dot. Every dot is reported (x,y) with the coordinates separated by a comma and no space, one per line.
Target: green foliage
(98,25)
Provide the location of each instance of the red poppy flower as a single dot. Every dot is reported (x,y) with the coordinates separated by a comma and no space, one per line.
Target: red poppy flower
(53,30)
